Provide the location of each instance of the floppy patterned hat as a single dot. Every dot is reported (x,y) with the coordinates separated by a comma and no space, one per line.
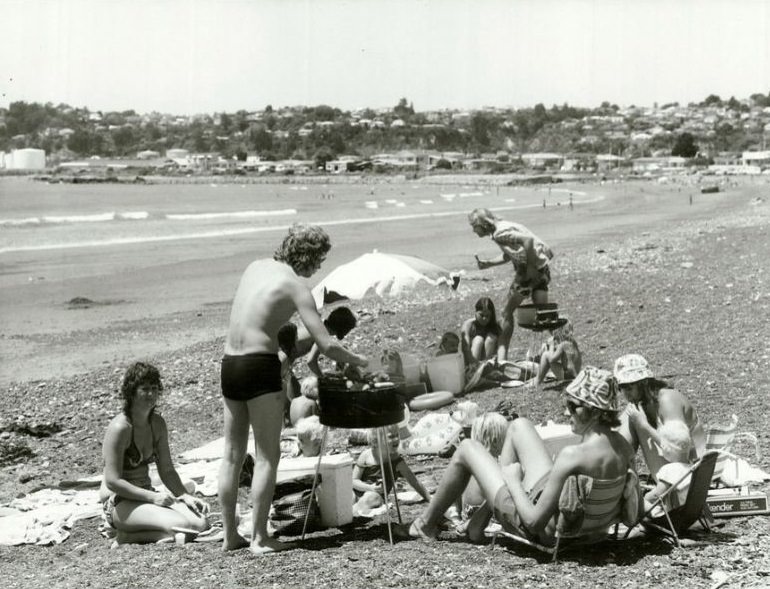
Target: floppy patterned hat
(631,368)
(594,387)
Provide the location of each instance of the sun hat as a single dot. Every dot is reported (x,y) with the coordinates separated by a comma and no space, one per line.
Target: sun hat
(594,387)
(631,368)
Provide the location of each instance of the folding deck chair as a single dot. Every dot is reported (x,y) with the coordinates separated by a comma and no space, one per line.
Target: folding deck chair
(677,520)
(722,438)
(603,508)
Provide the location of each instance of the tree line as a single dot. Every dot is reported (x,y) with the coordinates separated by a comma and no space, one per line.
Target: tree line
(323,132)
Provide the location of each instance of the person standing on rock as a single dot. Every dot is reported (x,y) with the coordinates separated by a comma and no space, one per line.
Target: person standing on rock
(269,293)
(530,257)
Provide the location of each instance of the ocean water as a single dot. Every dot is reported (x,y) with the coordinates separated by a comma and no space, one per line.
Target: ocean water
(37,216)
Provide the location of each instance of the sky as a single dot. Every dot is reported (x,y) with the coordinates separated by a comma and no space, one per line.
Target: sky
(206,56)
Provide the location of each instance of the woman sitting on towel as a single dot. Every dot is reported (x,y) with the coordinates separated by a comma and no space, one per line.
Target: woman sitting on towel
(652,403)
(524,493)
(480,334)
(135,438)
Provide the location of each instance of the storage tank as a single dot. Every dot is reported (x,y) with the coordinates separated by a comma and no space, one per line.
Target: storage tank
(27,159)
(177,154)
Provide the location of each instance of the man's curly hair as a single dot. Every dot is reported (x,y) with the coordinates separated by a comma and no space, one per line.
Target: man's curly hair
(303,247)
(138,374)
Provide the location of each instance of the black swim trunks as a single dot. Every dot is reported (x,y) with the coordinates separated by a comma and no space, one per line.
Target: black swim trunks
(249,376)
(525,284)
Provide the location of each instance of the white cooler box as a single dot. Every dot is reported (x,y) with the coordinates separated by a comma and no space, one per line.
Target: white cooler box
(335,492)
(556,436)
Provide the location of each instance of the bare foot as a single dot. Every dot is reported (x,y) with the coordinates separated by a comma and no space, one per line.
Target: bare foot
(269,546)
(418,529)
(478,523)
(235,543)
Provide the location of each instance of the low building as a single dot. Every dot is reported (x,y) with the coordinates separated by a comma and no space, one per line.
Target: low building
(25,159)
(542,160)
(756,158)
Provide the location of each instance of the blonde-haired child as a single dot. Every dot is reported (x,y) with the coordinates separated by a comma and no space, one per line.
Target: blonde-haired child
(368,476)
(309,435)
(489,430)
(675,445)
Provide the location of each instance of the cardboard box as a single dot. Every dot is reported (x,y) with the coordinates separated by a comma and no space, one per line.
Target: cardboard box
(735,502)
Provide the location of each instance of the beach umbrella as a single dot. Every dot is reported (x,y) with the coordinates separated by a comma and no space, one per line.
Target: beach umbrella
(381,273)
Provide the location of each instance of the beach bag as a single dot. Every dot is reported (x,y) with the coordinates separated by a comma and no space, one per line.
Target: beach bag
(291,501)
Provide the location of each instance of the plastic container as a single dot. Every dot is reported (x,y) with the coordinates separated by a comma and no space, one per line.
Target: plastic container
(335,491)
(447,373)
(413,369)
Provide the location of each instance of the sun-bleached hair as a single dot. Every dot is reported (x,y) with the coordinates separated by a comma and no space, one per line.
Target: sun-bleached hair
(564,332)
(309,429)
(483,217)
(489,429)
(303,247)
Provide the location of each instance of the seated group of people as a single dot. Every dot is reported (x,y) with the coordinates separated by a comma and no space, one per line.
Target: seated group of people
(503,470)
(485,353)
(520,484)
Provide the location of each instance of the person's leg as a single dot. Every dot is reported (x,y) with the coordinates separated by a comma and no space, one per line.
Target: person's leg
(478,348)
(539,296)
(145,522)
(524,445)
(490,346)
(470,459)
(236,438)
(265,415)
(550,361)
(511,303)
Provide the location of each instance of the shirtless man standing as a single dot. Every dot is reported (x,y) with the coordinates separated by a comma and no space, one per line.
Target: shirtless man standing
(270,291)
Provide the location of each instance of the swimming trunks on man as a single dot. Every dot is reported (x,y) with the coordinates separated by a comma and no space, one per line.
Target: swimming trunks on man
(249,376)
(524,284)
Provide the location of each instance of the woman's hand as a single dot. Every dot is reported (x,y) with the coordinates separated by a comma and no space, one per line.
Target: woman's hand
(164,500)
(482,264)
(637,416)
(197,506)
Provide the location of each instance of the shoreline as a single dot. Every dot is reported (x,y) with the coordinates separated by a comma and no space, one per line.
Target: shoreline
(161,308)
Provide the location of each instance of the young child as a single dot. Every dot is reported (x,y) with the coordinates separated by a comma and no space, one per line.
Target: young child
(306,404)
(309,434)
(560,355)
(296,342)
(368,476)
(449,344)
(480,334)
(489,430)
(675,448)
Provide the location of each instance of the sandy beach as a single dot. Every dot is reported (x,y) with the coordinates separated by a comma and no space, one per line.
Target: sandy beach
(157,296)
(684,285)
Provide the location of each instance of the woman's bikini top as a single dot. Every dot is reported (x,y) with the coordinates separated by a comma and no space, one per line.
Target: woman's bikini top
(132,458)
(477,329)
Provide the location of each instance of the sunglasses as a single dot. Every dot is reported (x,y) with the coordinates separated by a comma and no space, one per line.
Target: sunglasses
(572,407)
